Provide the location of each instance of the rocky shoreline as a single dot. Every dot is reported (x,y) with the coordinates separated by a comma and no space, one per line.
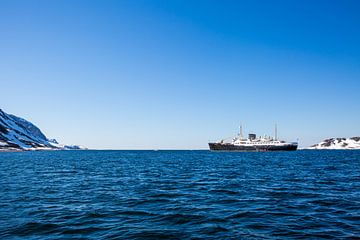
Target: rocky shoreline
(352,143)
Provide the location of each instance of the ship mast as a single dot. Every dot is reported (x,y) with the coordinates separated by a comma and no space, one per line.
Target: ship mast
(241,132)
(275,132)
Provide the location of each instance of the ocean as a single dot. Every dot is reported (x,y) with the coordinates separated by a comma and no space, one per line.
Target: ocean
(179,195)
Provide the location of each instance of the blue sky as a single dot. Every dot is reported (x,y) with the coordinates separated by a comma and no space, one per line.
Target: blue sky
(175,74)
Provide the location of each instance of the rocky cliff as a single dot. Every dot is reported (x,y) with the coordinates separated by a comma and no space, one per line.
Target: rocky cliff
(18,134)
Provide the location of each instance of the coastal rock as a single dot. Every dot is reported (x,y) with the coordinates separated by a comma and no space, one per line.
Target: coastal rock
(17,134)
(338,143)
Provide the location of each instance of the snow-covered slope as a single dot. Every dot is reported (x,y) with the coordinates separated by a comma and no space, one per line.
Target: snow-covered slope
(338,143)
(18,134)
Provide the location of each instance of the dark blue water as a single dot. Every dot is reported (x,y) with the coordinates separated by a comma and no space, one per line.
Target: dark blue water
(179,195)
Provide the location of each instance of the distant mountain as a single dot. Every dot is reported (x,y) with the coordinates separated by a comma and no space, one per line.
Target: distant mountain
(19,134)
(338,143)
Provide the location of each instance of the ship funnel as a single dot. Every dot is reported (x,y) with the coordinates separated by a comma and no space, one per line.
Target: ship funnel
(252,136)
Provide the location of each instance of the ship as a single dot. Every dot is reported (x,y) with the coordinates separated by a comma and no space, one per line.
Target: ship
(253,143)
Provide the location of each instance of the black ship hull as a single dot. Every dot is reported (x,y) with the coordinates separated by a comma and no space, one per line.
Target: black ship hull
(252,148)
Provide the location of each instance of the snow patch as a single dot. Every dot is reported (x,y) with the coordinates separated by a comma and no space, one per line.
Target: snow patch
(20,134)
(338,143)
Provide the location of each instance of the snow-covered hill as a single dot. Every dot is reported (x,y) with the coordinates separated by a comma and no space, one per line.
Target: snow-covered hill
(338,143)
(18,134)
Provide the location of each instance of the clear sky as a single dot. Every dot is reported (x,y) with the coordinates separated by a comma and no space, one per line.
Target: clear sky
(175,74)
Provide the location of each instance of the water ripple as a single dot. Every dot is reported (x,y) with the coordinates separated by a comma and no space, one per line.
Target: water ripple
(179,195)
